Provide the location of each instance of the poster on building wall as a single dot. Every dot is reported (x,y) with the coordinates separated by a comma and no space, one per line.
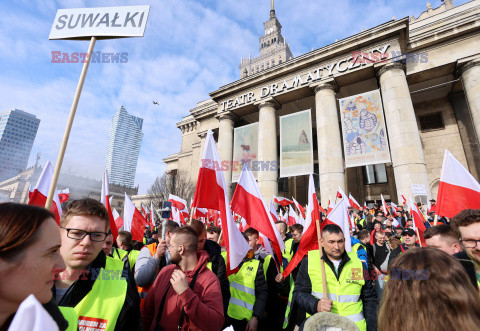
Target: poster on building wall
(363,126)
(296,145)
(245,149)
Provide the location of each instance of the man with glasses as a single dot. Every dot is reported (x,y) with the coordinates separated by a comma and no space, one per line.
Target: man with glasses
(466,225)
(92,283)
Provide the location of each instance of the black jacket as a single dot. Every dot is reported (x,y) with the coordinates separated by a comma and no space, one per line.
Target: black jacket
(302,293)
(220,269)
(129,318)
(469,267)
(397,251)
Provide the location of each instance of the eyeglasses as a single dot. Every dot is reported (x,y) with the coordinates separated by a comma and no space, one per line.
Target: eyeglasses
(77,234)
(469,243)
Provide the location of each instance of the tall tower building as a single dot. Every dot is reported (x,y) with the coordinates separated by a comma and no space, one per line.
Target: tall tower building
(123,148)
(273,48)
(17,133)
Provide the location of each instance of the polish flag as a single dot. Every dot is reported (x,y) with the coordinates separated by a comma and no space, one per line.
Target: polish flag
(339,215)
(144,210)
(211,192)
(63,195)
(177,216)
(133,221)
(39,195)
(282,201)
(292,216)
(273,212)
(331,205)
(418,221)
(365,205)
(299,207)
(458,189)
(309,240)
(117,218)
(105,200)
(247,201)
(394,206)
(200,213)
(404,200)
(353,203)
(340,193)
(384,206)
(177,202)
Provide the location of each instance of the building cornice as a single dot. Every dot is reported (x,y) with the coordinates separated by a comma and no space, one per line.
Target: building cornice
(398,28)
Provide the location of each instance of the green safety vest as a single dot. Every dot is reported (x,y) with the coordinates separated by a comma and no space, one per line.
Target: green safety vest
(357,246)
(120,254)
(242,291)
(71,317)
(102,305)
(344,292)
(361,222)
(289,304)
(224,255)
(288,253)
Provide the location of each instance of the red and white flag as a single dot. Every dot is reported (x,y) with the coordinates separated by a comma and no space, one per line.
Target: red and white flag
(292,216)
(394,206)
(118,219)
(339,215)
(418,221)
(365,205)
(458,189)
(273,212)
(64,195)
(211,193)
(299,207)
(105,200)
(282,201)
(177,202)
(247,201)
(133,220)
(39,195)
(331,205)
(384,206)
(353,203)
(200,213)
(404,200)
(309,240)
(340,193)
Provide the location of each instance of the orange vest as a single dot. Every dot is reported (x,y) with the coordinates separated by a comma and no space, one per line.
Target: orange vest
(143,291)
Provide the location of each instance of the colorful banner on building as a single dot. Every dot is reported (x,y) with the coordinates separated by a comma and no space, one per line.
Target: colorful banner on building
(296,145)
(245,149)
(363,125)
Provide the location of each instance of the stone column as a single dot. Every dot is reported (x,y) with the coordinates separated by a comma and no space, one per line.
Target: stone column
(225,146)
(267,150)
(405,146)
(330,157)
(471,84)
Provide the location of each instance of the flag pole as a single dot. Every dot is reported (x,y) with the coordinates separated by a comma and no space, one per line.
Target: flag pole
(220,237)
(68,128)
(191,215)
(418,235)
(435,220)
(322,264)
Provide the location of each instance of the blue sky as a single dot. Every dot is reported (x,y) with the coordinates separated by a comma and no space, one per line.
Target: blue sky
(190,48)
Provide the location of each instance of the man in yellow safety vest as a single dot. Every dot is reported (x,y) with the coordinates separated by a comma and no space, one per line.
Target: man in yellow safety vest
(349,293)
(93,284)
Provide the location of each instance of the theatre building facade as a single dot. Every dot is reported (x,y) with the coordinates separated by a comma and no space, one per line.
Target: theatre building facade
(371,114)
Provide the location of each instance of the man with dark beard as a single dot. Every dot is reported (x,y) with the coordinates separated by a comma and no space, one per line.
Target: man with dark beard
(186,294)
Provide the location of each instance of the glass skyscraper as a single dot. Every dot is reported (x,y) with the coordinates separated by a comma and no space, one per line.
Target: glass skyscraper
(123,148)
(17,133)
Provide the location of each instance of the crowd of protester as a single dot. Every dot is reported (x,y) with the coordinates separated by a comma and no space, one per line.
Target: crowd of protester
(178,278)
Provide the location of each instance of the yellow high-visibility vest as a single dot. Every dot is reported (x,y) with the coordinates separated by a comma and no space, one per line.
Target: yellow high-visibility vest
(242,291)
(344,292)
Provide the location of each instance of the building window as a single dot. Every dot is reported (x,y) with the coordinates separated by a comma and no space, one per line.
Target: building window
(431,122)
(375,174)
(268,65)
(283,184)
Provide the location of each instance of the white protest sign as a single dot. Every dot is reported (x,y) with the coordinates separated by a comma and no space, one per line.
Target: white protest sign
(102,22)
(419,189)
